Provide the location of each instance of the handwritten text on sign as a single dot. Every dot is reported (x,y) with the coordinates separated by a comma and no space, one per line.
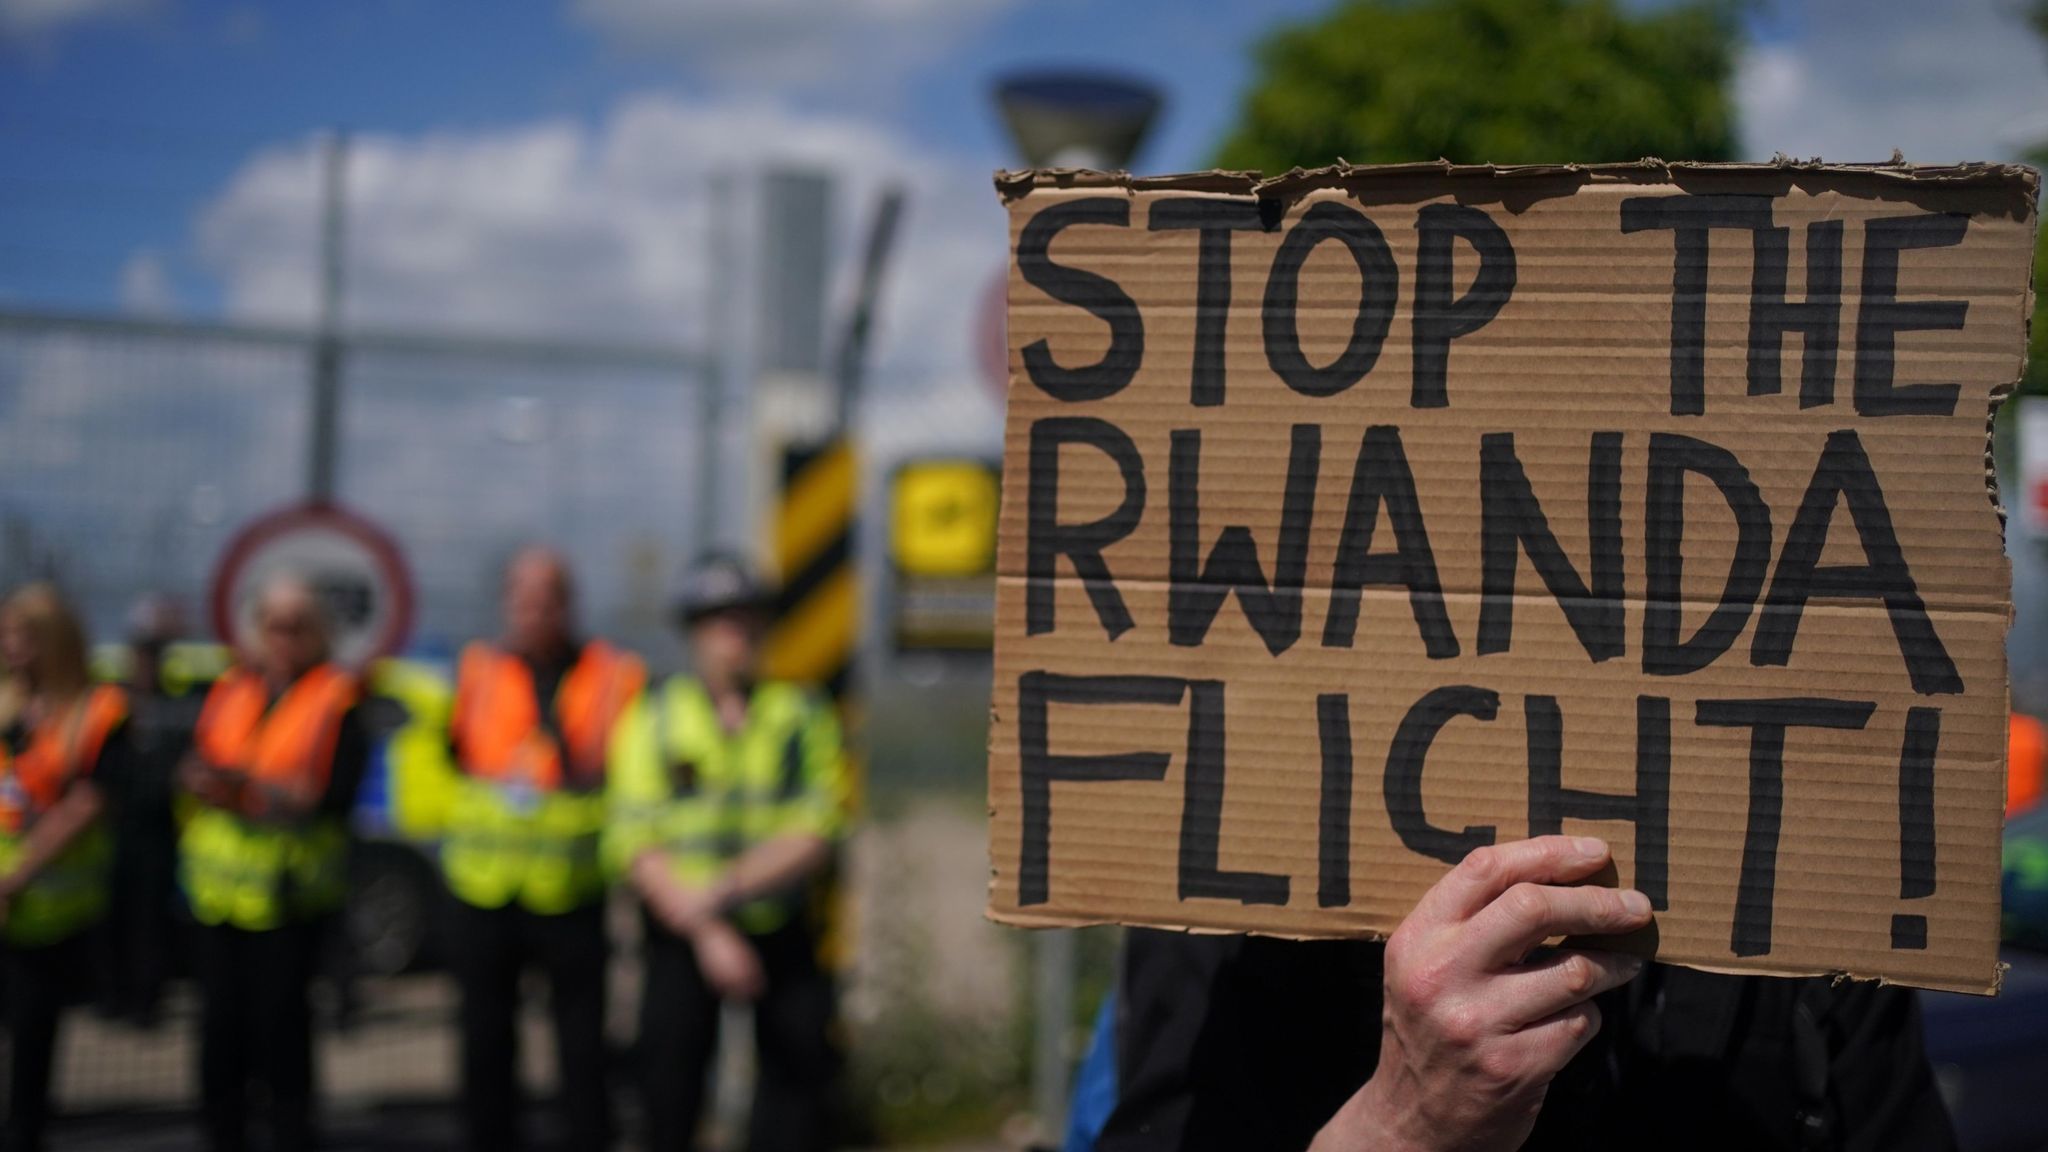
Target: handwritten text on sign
(1355,522)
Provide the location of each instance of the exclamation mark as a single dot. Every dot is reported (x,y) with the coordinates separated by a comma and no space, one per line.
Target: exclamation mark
(1916,822)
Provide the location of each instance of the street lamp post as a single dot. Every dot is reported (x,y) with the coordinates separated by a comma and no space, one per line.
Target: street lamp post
(1067,119)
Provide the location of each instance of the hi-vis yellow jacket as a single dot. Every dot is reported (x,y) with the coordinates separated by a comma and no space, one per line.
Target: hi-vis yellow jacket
(70,893)
(682,785)
(259,875)
(528,808)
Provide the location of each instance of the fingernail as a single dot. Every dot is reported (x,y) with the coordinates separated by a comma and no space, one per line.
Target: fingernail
(1590,847)
(1636,903)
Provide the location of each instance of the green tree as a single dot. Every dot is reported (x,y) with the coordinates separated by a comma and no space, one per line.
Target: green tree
(2037,335)
(1491,81)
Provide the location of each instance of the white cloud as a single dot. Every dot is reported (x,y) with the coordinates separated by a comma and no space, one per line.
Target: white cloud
(561,228)
(1958,80)
(38,18)
(599,231)
(758,44)
(146,285)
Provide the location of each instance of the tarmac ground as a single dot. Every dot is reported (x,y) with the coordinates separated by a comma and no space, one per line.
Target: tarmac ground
(387,1080)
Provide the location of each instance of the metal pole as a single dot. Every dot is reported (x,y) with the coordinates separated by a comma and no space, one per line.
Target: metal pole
(722,352)
(1066,119)
(1053,1006)
(852,366)
(326,414)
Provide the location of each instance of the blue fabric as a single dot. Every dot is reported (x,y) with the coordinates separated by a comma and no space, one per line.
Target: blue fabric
(1095,1083)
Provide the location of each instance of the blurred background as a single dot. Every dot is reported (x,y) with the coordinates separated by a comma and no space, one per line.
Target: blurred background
(388,288)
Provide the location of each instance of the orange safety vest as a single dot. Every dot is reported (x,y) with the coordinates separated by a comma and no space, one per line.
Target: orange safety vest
(496,724)
(71,891)
(289,744)
(528,810)
(62,748)
(2026,749)
(256,875)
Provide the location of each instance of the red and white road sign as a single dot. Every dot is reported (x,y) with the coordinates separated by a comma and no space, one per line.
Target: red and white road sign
(2033,458)
(992,335)
(355,565)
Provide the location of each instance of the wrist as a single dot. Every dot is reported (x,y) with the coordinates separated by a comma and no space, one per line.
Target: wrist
(707,930)
(1368,1122)
(648,870)
(722,896)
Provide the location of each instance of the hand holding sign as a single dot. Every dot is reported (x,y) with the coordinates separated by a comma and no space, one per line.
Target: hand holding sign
(1473,1030)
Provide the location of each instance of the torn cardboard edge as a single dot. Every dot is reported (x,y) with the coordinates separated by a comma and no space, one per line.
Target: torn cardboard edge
(1014,183)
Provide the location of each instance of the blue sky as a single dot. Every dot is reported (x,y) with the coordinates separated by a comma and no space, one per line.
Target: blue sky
(540,167)
(120,120)
(543,167)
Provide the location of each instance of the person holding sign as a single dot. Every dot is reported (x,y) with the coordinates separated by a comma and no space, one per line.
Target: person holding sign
(58,735)
(274,767)
(532,717)
(1365,528)
(728,796)
(1489,1041)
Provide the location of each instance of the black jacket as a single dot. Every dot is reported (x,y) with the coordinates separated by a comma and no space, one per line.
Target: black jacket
(1245,1044)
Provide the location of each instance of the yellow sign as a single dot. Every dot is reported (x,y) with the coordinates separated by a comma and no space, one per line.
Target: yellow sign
(943,518)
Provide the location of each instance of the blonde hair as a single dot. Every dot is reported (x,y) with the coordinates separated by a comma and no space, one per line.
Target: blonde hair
(60,673)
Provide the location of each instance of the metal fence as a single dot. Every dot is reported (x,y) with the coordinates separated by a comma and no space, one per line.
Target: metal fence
(132,450)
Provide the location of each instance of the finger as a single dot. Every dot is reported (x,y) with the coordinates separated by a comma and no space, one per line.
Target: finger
(1487,872)
(1540,990)
(1549,1044)
(1528,914)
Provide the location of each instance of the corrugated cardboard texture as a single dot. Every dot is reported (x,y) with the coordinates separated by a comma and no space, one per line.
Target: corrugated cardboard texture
(1807,770)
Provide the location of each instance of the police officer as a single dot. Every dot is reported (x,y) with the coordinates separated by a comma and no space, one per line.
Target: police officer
(727,801)
(276,760)
(58,735)
(533,714)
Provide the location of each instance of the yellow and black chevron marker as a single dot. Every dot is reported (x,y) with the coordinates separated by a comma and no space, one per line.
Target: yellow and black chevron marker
(814,637)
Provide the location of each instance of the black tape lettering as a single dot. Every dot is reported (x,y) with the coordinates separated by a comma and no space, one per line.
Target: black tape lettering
(1818,319)
(1403,780)
(1649,808)
(1038,767)
(1201,817)
(1881,316)
(1671,457)
(1382,477)
(1439,319)
(1379,285)
(1046,539)
(1511,521)
(1215,219)
(1098,295)
(1690,218)
(1844,473)
(1195,590)
(1767,721)
(1333,815)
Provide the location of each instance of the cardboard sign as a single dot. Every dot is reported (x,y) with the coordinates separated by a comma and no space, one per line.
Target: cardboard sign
(1361,517)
